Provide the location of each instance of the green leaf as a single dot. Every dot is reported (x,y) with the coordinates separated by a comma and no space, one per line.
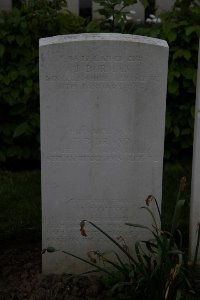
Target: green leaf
(11,38)
(6,80)
(194,79)
(93,27)
(112,240)
(174,251)
(191,29)
(14,151)
(138,226)
(188,73)
(2,156)
(173,87)
(20,40)
(191,123)
(1,77)
(176,131)
(29,82)
(172,35)
(14,94)
(13,74)
(16,17)
(192,111)
(7,129)
(144,3)
(51,249)
(23,25)
(178,294)
(23,128)
(2,50)
(177,214)
(186,131)
(182,53)
(35,120)
(88,262)
(24,71)
(174,73)
(168,121)
(167,154)
(138,250)
(123,265)
(151,213)
(116,266)
(27,90)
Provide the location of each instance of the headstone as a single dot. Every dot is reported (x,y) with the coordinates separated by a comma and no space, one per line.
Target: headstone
(73,6)
(5,4)
(195,199)
(165,5)
(102,135)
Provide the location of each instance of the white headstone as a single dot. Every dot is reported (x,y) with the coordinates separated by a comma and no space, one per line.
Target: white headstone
(195,199)
(5,4)
(164,5)
(73,6)
(102,135)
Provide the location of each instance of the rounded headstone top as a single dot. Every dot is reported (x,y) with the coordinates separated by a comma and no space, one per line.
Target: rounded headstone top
(88,37)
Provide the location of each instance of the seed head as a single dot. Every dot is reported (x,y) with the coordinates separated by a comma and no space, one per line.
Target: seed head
(82,228)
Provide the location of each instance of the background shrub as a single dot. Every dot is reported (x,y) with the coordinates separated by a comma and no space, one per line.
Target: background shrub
(181,29)
(19,76)
(20,32)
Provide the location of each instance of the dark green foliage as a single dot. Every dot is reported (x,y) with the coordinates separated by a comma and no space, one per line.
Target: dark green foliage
(181,28)
(19,75)
(20,31)
(113,15)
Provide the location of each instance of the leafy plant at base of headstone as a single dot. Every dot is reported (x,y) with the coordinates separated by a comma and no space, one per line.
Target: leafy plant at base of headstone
(156,270)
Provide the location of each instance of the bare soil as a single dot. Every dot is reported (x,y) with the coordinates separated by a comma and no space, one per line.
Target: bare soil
(21,277)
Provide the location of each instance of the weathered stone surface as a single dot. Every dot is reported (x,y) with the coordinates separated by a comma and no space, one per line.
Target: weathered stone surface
(73,6)
(102,135)
(195,199)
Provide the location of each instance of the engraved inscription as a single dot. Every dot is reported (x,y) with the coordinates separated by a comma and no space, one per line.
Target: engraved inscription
(103,141)
(106,72)
(90,85)
(61,232)
(102,146)
(102,157)
(104,58)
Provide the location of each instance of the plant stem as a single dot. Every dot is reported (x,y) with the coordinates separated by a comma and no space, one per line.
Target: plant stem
(197,246)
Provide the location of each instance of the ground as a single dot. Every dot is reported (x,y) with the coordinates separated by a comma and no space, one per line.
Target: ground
(21,277)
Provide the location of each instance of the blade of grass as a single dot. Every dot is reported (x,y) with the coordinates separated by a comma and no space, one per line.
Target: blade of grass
(113,240)
(87,262)
(152,215)
(138,226)
(177,214)
(197,246)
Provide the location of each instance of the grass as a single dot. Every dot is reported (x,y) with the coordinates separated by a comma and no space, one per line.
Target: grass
(171,181)
(20,198)
(20,202)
